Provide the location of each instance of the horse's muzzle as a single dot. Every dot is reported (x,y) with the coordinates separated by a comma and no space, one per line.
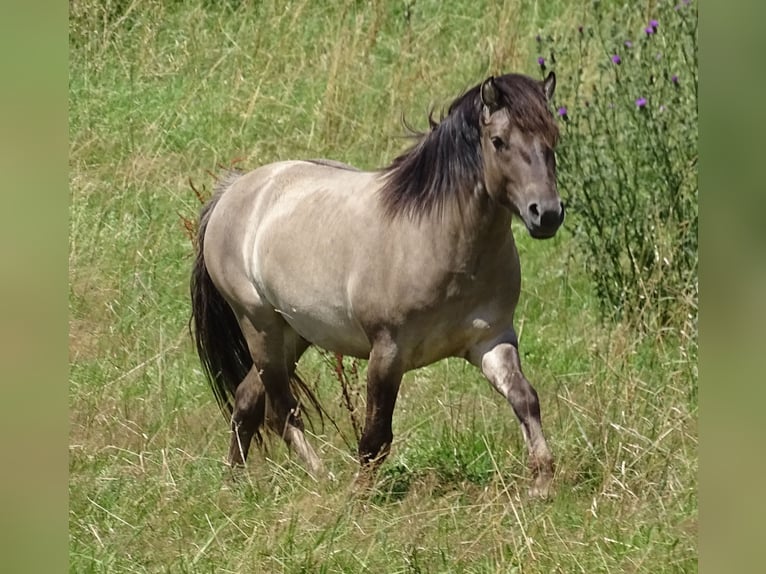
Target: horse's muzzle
(543,224)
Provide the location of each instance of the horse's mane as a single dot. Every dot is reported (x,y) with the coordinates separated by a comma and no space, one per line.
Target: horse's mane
(446,162)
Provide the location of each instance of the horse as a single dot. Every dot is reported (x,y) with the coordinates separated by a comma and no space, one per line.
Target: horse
(403,266)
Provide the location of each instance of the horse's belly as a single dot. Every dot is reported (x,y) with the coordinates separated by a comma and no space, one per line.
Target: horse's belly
(329,329)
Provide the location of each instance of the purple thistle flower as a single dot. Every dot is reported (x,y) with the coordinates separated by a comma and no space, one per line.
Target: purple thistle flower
(628,44)
(654,24)
(641,103)
(649,30)
(563,112)
(541,61)
(616,59)
(674,79)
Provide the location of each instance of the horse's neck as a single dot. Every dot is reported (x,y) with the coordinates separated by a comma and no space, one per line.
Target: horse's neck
(474,229)
(483,224)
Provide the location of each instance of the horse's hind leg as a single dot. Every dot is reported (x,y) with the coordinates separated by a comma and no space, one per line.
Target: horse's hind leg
(247,416)
(275,349)
(501,365)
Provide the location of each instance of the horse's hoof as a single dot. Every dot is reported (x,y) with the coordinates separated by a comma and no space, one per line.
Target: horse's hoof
(541,488)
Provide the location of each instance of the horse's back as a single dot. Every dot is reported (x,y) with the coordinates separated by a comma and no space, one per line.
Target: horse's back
(287,237)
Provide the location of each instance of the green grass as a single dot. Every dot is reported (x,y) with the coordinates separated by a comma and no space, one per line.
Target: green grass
(163,92)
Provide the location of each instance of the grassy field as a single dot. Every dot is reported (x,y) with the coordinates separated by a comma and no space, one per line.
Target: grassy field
(162,93)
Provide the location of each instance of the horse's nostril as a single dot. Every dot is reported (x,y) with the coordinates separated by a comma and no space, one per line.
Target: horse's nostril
(551,218)
(534,210)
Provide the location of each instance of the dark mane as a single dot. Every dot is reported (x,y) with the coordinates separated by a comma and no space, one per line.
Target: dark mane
(446,162)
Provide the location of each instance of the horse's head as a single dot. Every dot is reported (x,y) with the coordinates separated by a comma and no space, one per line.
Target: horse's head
(518,137)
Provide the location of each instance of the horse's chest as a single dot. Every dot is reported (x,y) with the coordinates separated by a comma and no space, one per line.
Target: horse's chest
(455,330)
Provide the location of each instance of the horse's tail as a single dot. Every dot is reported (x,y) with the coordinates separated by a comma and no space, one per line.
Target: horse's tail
(221,346)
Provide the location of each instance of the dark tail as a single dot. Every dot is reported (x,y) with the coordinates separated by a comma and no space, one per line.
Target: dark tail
(220,344)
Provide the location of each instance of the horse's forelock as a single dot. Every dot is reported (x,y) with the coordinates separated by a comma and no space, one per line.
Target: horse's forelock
(528,108)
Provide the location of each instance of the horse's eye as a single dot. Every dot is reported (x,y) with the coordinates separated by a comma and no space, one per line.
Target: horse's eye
(498,143)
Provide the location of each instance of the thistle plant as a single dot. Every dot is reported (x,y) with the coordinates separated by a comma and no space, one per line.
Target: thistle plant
(628,158)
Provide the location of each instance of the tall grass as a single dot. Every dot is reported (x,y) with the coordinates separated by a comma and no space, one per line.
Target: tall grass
(161,92)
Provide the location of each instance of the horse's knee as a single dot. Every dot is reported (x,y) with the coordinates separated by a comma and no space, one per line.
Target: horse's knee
(524,399)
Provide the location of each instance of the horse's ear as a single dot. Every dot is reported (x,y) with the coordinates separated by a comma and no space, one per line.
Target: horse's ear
(490,97)
(549,85)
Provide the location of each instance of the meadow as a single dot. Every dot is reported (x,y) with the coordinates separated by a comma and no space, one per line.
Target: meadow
(162,94)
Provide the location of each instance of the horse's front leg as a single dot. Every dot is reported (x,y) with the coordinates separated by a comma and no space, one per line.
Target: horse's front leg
(384,375)
(501,365)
